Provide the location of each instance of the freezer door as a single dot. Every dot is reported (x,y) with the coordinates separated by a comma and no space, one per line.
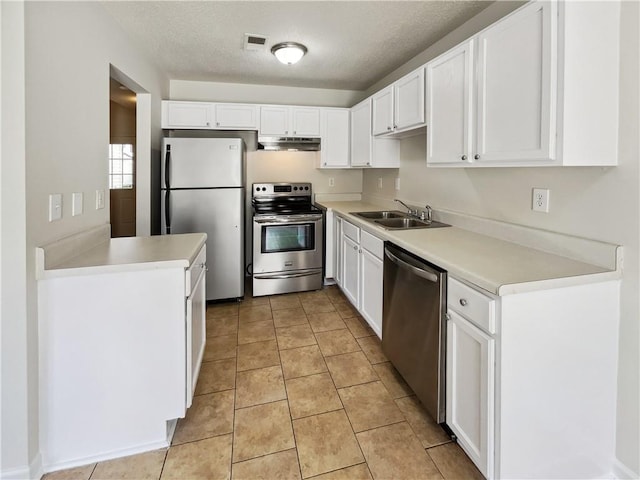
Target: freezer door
(218,213)
(202,162)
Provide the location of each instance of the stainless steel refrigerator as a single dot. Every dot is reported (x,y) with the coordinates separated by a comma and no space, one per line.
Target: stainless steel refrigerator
(202,190)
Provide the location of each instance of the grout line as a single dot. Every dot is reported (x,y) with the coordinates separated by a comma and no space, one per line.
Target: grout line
(164,461)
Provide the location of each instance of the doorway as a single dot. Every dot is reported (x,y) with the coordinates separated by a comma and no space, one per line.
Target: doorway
(122,160)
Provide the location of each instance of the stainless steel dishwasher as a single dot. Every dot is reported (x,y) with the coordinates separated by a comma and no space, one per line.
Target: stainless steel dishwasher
(414,325)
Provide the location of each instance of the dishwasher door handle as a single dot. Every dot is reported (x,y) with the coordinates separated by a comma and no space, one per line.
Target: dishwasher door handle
(430,276)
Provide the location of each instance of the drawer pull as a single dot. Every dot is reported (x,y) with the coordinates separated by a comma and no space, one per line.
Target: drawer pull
(463,302)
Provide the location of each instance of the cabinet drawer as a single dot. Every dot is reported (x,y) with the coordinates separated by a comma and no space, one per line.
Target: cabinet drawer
(198,266)
(372,243)
(351,231)
(471,304)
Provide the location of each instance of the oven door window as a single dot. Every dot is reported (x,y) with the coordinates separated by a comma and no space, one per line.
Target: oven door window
(288,238)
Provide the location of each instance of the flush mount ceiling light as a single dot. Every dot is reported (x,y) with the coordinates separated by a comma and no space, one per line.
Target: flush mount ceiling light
(289,52)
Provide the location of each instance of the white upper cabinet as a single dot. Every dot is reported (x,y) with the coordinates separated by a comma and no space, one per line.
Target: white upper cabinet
(236,116)
(539,87)
(334,131)
(290,121)
(399,106)
(366,150)
(192,115)
(516,79)
(449,108)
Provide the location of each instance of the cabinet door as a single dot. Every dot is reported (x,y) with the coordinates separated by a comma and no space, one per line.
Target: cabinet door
(371,290)
(236,116)
(305,121)
(187,115)
(196,335)
(470,390)
(350,269)
(449,106)
(274,121)
(334,150)
(361,134)
(382,105)
(337,239)
(516,86)
(409,100)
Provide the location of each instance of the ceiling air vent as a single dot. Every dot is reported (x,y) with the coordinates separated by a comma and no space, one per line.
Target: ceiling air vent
(254,42)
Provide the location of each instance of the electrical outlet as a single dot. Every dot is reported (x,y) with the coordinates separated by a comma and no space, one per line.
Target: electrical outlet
(540,200)
(397,183)
(379,182)
(55,206)
(76,204)
(332,182)
(99,199)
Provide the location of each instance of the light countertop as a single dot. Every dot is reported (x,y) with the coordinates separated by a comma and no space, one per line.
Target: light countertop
(497,266)
(126,254)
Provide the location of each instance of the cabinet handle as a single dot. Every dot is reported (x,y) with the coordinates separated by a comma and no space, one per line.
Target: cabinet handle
(476,156)
(447,316)
(368,163)
(286,132)
(217,124)
(355,248)
(208,124)
(395,127)
(463,302)
(294,132)
(388,128)
(464,157)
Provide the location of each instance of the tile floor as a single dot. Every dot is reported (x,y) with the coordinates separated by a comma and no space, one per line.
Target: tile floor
(295,386)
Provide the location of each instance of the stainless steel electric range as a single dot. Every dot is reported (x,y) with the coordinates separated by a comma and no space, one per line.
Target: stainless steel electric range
(287,239)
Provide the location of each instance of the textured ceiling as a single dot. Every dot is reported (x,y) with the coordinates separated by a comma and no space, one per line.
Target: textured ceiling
(352,44)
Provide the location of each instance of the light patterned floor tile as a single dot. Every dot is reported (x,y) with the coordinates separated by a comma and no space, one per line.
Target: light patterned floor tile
(280,466)
(77,473)
(255,314)
(288,317)
(222,326)
(216,376)
(357,472)
(312,395)
(323,322)
(325,443)
(258,355)
(296,336)
(394,382)
(394,452)
(425,428)
(209,415)
(256,332)
(278,302)
(262,430)
(453,462)
(218,348)
(350,369)
(369,406)
(208,459)
(298,362)
(372,348)
(263,385)
(336,342)
(144,466)
(317,305)
(358,327)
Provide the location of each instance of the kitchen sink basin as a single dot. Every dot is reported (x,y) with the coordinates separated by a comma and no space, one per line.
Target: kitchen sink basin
(380,215)
(396,220)
(407,223)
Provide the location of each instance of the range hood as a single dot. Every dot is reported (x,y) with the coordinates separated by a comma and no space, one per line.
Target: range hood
(302,144)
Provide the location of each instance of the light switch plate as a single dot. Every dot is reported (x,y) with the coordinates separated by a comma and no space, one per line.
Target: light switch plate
(55,206)
(76,204)
(99,199)
(397,183)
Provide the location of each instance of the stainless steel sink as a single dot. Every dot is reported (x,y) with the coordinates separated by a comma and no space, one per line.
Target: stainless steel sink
(396,220)
(380,215)
(407,223)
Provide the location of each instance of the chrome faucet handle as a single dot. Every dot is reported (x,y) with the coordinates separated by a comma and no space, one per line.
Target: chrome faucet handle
(412,211)
(429,212)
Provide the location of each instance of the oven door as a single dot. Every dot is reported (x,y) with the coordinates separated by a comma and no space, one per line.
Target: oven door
(287,242)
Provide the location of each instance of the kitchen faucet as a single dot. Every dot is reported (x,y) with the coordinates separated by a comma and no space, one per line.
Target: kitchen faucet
(412,211)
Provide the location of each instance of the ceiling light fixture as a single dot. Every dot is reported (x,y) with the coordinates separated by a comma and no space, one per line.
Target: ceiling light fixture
(289,52)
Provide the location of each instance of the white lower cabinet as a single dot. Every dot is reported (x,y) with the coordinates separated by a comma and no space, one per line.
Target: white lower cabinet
(470,387)
(360,272)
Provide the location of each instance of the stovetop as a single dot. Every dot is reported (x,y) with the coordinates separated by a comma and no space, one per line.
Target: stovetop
(282,199)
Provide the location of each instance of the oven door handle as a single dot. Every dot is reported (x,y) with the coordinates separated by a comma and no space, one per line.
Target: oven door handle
(283,276)
(280,219)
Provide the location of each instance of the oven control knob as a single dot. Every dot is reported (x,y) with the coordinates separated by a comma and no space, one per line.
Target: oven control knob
(264,189)
(257,189)
(306,188)
(295,188)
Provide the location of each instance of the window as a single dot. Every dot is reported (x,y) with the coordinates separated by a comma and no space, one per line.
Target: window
(121,166)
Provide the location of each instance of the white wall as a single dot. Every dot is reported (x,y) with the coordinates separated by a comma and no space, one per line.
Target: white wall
(68,49)
(591,202)
(249,93)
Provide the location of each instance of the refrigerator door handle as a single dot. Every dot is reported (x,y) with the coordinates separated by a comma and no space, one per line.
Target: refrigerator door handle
(167,168)
(167,212)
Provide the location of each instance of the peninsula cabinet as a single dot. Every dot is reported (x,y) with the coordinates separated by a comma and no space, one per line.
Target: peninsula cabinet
(537,88)
(531,379)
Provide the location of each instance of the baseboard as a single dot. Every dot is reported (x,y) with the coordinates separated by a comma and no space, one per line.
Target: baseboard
(33,471)
(622,472)
(78,462)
